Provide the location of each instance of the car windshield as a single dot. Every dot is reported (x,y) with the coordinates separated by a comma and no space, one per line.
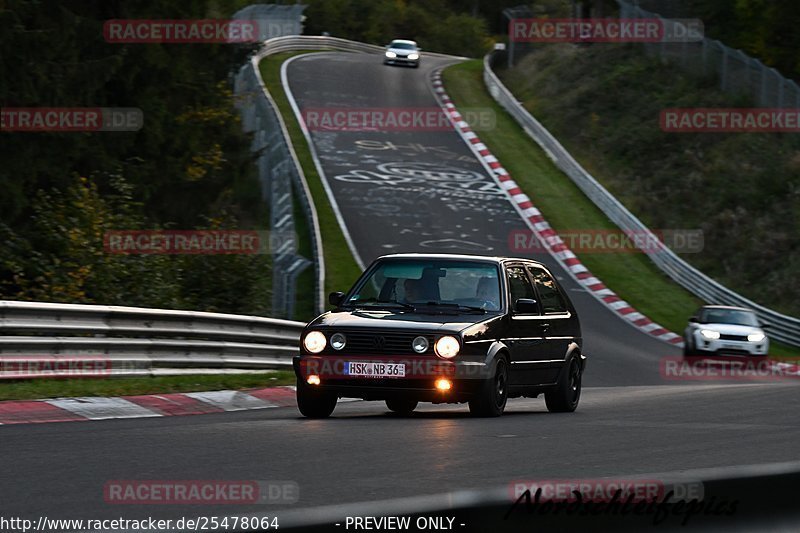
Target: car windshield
(729,316)
(403,46)
(429,283)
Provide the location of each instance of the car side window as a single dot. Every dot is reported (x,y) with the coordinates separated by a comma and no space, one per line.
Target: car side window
(551,300)
(519,285)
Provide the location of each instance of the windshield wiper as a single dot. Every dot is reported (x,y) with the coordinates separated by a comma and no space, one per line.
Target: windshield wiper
(473,308)
(381,305)
(455,307)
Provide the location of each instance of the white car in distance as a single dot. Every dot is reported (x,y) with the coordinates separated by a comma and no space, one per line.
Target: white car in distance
(726,331)
(402,52)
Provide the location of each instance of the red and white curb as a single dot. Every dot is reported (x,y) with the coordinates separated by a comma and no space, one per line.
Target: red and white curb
(147,406)
(547,235)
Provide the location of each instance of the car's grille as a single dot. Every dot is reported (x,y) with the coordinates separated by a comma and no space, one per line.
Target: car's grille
(380,343)
(732,351)
(740,338)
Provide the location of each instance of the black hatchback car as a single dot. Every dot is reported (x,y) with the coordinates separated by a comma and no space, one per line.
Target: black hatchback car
(444,329)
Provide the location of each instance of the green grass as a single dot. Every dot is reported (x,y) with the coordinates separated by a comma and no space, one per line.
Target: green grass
(632,276)
(341,269)
(65,388)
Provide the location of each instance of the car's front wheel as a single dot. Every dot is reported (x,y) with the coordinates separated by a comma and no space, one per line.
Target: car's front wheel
(401,407)
(688,351)
(314,403)
(565,397)
(493,394)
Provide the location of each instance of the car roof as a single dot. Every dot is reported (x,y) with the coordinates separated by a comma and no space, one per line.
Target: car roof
(729,307)
(463,257)
(406,41)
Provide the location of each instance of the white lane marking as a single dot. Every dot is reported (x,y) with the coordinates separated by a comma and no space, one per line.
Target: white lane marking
(317,163)
(102,408)
(229,400)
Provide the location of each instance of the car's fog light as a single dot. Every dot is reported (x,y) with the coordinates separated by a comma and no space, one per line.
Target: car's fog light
(313,379)
(444,384)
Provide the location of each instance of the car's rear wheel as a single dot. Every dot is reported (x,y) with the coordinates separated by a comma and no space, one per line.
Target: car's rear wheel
(401,406)
(314,403)
(493,394)
(565,397)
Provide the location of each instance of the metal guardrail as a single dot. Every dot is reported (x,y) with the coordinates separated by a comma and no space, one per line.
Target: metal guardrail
(783,328)
(134,339)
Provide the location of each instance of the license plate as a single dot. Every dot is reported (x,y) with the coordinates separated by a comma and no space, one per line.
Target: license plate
(376,370)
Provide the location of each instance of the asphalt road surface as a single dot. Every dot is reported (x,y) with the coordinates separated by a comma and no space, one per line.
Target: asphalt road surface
(630,421)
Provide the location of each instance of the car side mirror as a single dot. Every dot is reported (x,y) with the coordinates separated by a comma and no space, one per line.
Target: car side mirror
(693,319)
(335,298)
(765,326)
(526,305)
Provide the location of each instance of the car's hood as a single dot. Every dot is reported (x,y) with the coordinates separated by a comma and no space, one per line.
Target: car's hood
(402,51)
(422,322)
(731,329)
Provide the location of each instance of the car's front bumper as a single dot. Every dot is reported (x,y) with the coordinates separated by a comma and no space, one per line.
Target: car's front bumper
(465,377)
(400,61)
(730,347)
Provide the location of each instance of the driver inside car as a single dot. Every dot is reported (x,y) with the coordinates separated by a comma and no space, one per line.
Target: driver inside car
(414,292)
(487,293)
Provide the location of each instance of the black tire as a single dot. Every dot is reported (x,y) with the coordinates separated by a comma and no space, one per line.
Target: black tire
(565,397)
(688,352)
(493,395)
(402,406)
(314,403)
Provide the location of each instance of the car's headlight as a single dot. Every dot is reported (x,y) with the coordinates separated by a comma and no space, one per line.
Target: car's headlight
(391,54)
(755,337)
(709,334)
(314,341)
(338,340)
(447,347)
(413,56)
(420,344)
